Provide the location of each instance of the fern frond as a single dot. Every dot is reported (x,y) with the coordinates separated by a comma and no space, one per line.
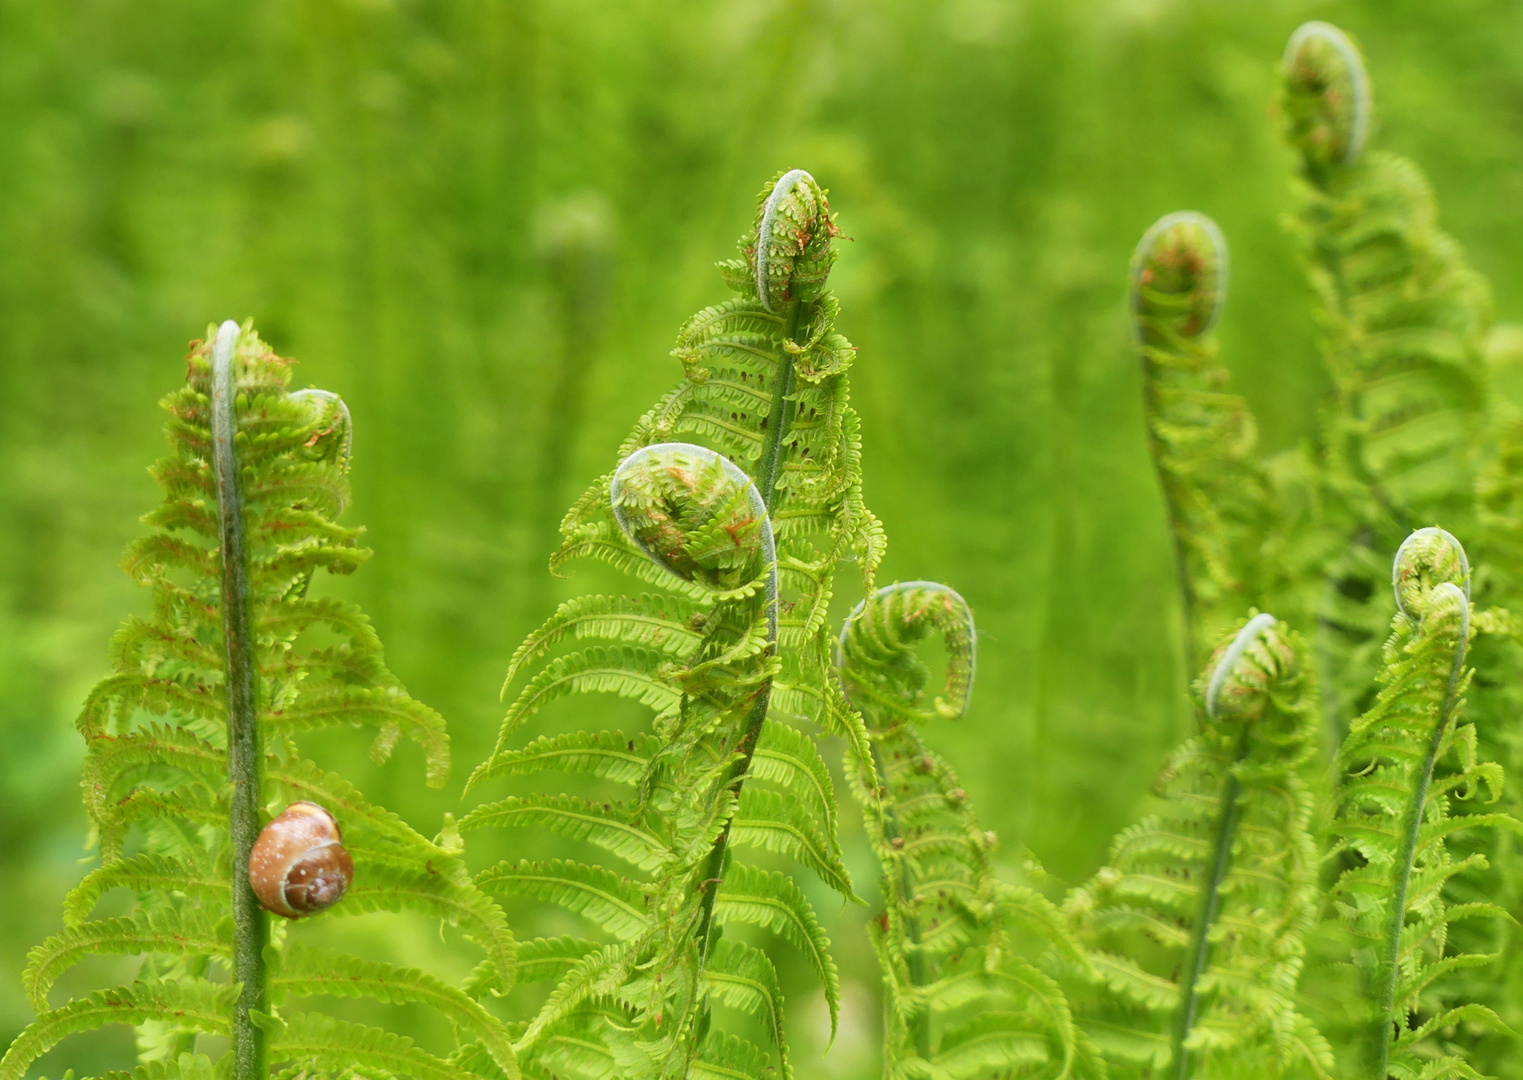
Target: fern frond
(1220,501)
(312,972)
(960,1001)
(743,537)
(1394,902)
(191,741)
(1196,926)
(192,1003)
(313,1041)
(1403,319)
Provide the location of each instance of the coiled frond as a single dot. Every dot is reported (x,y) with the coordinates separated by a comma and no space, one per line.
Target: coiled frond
(1193,931)
(156,777)
(1405,764)
(961,1002)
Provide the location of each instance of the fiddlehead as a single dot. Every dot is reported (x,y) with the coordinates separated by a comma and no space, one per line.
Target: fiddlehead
(1404,764)
(191,745)
(1194,930)
(1202,438)
(1403,319)
(960,1002)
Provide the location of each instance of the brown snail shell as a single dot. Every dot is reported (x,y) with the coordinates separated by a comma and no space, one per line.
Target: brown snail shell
(299,865)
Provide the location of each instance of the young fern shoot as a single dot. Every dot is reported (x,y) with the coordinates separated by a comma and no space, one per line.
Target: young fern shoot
(1202,438)
(727,656)
(1404,319)
(1404,763)
(959,1001)
(191,746)
(1194,930)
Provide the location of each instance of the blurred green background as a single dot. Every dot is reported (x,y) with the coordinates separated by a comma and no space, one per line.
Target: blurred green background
(483,223)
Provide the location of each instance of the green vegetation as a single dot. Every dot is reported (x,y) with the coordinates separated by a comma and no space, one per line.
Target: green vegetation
(483,223)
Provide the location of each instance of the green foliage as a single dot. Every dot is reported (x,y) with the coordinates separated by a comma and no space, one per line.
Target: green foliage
(727,658)
(1220,501)
(156,775)
(1403,320)
(960,999)
(1404,765)
(1194,929)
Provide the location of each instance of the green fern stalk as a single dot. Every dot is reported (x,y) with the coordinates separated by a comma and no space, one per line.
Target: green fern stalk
(1404,319)
(1202,438)
(1393,818)
(1194,931)
(960,1001)
(191,745)
(245,755)
(728,655)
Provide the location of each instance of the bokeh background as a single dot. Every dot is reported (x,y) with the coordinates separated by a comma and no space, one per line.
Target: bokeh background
(483,221)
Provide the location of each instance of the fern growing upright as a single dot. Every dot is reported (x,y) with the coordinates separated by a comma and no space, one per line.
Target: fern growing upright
(728,656)
(1195,927)
(192,742)
(959,999)
(1403,319)
(1202,438)
(1405,763)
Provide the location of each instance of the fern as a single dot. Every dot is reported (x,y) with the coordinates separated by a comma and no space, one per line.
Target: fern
(1194,930)
(1403,319)
(960,1001)
(696,515)
(728,656)
(1405,763)
(1219,499)
(190,744)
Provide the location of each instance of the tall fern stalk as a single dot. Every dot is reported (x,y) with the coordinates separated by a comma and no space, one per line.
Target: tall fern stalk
(1221,856)
(729,653)
(1193,933)
(960,1002)
(245,755)
(191,742)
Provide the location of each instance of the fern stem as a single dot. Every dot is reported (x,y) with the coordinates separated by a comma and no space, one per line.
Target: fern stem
(1221,858)
(770,464)
(914,959)
(768,467)
(1390,970)
(1209,901)
(244,754)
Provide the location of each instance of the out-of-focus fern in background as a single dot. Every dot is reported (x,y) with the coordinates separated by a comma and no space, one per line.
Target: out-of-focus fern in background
(481,221)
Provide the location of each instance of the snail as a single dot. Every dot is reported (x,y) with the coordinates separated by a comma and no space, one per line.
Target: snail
(299,865)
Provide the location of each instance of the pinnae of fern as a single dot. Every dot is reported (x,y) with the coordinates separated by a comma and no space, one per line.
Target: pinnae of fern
(335,442)
(764,231)
(245,756)
(1427,558)
(1327,94)
(1179,274)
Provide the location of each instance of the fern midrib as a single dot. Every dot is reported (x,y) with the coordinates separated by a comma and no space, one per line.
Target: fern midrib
(244,753)
(1187,597)
(770,465)
(1210,899)
(914,957)
(1390,970)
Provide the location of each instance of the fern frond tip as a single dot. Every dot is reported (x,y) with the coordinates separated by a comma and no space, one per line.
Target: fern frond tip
(1327,95)
(1180,273)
